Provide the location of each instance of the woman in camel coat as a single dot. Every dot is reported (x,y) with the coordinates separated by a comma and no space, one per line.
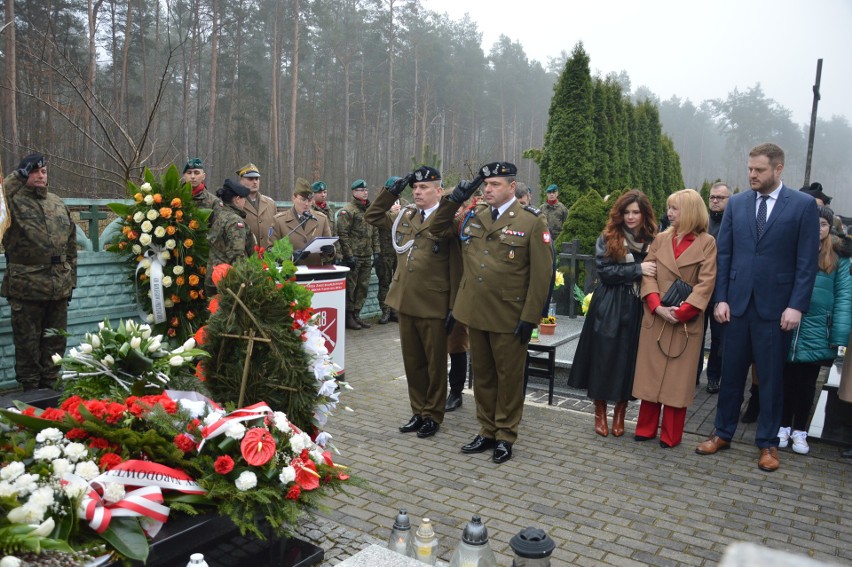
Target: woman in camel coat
(670,338)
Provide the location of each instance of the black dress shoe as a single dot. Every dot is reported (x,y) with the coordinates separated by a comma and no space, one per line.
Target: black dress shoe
(664,445)
(713,386)
(502,452)
(428,429)
(393,317)
(479,444)
(453,401)
(414,424)
(641,438)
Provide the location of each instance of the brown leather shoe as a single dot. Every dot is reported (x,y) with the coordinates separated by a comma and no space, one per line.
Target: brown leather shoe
(618,419)
(768,459)
(601,428)
(712,445)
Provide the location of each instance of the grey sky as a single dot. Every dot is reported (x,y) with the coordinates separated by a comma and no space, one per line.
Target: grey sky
(695,50)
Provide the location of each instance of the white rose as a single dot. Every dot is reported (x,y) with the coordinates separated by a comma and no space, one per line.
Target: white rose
(168,303)
(288,475)
(60,467)
(149,199)
(146,264)
(12,471)
(159,232)
(152,214)
(246,481)
(165,257)
(136,249)
(96,341)
(47,453)
(108,360)
(176,361)
(170,243)
(145,239)
(146,187)
(147,226)
(235,430)
(75,451)
(178,270)
(85,348)
(138,216)
(135,342)
(167,281)
(87,469)
(50,434)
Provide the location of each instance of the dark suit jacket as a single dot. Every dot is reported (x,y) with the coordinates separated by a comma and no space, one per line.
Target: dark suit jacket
(779,269)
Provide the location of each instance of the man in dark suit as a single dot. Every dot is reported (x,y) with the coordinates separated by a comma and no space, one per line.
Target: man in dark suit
(767,262)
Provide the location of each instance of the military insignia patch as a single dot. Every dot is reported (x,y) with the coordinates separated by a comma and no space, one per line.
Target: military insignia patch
(545,236)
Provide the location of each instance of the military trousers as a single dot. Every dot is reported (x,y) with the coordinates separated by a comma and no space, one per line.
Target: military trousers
(34,366)
(358,283)
(498,383)
(424,355)
(384,272)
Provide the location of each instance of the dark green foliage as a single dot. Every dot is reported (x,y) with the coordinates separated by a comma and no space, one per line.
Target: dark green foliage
(705,191)
(586,220)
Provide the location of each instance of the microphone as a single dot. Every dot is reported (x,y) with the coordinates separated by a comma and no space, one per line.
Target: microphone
(307,216)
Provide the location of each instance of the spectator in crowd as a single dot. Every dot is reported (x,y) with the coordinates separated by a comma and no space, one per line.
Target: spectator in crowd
(301,226)
(844,392)
(359,245)
(605,358)
(824,327)
(667,359)
(260,210)
(719,195)
(229,238)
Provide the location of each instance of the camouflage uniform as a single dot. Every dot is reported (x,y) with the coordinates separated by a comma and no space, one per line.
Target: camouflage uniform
(359,240)
(230,239)
(329,211)
(207,200)
(41,274)
(556,216)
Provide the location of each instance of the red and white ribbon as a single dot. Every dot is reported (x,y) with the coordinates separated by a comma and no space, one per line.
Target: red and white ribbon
(255,411)
(144,502)
(146,473)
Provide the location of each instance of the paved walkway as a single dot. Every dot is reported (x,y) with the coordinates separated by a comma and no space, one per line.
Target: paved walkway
(605,501)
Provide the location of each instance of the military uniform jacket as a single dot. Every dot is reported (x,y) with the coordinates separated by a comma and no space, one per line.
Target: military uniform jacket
(427,275)
(260,219)
(556,216)
(40,245)
(328,211)
(302,236)
(207,200)
(357,236)
(229,238)
(508,265)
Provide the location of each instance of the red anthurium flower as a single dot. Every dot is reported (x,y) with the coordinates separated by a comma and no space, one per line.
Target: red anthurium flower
(257,446)
(306,472)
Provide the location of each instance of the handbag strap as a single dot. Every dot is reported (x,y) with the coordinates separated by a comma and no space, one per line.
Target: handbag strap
(660,336)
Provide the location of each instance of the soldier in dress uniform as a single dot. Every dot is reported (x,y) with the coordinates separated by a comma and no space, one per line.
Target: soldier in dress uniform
(359,245)
(508,267)
(301,226)
(193,173)
(41,271)
(556,212)
(423,289)
(259,209)
(229,238)
(386,265)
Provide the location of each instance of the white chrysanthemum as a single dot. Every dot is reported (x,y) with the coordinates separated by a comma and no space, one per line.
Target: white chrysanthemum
(60,467)
(75,451)
(51,434)
(149,200)
(176,361)
(194,407)
(152,214)
(42,497)
(136,249)
(212,418)
(280,421)
(113,492)
(246,481)
(145,239)
(147,226)
(138,216)
(146,187)
(159,232)
(235,430)
(87,470)
(47,453)
(167,281)
(288,475)
(178,270)
(12,471)
(74,490)
(299,442)
(316,455)
(170,244)
(26,483)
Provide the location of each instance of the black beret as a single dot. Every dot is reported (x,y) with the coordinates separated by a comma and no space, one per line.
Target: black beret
(231,188)
(31,162)
(498,169)
(425,173)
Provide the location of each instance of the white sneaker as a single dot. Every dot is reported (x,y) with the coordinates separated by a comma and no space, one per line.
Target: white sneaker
(800,442)
(784,437)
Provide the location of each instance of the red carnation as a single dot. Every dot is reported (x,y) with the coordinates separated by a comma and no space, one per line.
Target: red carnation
(76,434)
(30,411)
(294,492)
(53,414)
(95,407)
(223,464)
(115,412)
(184,443)
(98,443)
(71,403)
(109,461)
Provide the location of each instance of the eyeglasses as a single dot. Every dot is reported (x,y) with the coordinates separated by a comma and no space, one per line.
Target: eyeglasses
(717,198)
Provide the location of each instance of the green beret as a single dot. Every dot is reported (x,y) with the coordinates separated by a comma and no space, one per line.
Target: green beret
(552,188)
(358,184)
(194,163)
(318,187)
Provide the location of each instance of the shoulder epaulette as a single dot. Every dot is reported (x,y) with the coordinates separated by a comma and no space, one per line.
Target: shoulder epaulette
(532,209)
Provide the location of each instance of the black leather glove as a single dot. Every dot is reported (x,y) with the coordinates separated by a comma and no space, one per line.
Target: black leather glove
(400,184)
(465,190)
(449,322)
(327,250)
(299,255)
(524,331)
(349,262)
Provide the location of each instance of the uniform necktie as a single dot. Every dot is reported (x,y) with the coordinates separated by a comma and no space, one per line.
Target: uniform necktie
(494,214)
(761,215)
(422,216)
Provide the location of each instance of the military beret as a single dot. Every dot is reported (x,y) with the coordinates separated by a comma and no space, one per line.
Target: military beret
(31,162)
(230,189)
(248,170)
(498,169)
(358,184)
(552,188)
(425,173)
(391,180)
(194,163)
(303,189)
(318,187)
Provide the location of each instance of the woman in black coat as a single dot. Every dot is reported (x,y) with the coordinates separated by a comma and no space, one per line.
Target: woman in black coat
(606,353)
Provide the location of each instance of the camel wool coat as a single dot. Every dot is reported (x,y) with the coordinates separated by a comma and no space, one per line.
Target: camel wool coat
(670,380)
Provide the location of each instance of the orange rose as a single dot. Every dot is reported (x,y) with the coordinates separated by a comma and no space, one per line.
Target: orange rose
(125,229)
(158,198)
(179,215)
(166,213)
(122,245)
(194,280)
(174,322)
(193,295)
(202,270)
(188,243)
(171,230)
(138,197)
(175,298)
(140,257)
(180,280)
(175,204)
(188,260)
(193,224)
(142,277)
(171,332)
(132,235)
(128,218)
(190,315)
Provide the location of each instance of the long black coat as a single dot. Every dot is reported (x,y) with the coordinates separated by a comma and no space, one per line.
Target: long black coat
(605,359)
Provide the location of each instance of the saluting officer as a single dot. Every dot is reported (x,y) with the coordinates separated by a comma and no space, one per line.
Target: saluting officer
(422,292)
(508,266)
(301,226)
